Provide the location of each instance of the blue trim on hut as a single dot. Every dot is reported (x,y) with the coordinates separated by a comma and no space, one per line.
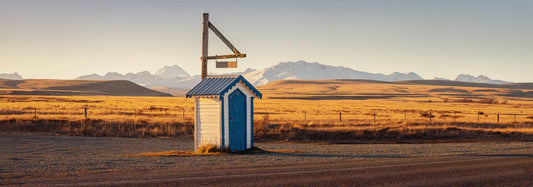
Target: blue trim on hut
(222,144)
(252,122)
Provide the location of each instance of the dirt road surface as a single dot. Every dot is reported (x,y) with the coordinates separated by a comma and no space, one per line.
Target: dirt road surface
(41,160)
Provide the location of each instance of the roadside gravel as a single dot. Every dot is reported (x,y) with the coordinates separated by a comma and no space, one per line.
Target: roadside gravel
(30,155)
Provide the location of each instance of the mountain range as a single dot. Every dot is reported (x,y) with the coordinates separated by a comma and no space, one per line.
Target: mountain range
(316,71)
(144,77)
(175,78)
(12,76)
(478,79)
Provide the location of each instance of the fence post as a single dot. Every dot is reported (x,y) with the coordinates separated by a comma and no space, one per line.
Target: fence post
(477,116)
(498,117)
(374,118)
(515,118)
(305,117)
(267,118)
(340,116)
(85,113)
(429,116)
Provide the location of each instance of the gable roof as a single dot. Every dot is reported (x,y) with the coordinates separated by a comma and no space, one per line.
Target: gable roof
(219,85)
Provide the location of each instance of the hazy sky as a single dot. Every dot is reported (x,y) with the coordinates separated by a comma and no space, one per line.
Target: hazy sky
(65,39)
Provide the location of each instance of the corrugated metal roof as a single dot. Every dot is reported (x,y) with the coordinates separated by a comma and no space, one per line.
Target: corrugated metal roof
(218,85)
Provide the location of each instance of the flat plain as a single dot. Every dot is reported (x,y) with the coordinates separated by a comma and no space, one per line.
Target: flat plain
(300,110)
(327,132)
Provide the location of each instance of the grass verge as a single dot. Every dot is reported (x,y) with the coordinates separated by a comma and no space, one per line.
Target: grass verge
(357,133)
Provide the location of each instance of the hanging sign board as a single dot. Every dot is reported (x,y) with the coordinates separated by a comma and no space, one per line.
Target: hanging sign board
(226,64)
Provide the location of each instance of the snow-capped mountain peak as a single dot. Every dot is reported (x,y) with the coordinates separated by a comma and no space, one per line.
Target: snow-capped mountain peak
(165,74)
(440,78)
(478,79)
(13,76)
(315,71)
(114,76)
(174,71)
(175,77)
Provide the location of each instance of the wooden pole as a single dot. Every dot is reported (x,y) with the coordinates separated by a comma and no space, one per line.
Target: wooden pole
(498,117)
(305,117)
(340,116)
(429,116)
(477,116)
(85,113)
(374,118)
(205,38)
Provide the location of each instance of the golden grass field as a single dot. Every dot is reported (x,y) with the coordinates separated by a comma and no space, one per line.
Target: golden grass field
(309,105)
(358,101)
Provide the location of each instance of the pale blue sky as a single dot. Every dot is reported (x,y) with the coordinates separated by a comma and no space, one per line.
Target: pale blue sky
(65,39)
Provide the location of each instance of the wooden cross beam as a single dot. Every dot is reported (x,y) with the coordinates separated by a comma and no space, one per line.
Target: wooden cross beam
(205,37)
(226,56)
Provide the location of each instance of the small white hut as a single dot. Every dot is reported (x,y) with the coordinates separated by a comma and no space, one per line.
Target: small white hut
(224,112)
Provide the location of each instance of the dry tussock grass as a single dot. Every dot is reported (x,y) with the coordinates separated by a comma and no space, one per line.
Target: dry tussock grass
(98,128)
(378,110)
(209,150)
(163,154)
(174,153)
(204,150)
(413,132)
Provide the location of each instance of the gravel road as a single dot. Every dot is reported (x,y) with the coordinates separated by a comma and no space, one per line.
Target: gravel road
(32,159)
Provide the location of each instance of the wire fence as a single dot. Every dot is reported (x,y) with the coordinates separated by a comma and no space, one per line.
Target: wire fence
(342,117)
(179,115)
(388,117)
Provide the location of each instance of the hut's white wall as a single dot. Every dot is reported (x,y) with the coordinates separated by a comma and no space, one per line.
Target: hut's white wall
(208,124)
(249,122)
(249,94)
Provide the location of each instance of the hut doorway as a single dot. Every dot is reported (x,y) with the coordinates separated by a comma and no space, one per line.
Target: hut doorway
(237,121)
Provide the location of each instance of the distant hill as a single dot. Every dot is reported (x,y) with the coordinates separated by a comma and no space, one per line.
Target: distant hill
(528,86)
(174,91)
(75,87)
(354,89)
